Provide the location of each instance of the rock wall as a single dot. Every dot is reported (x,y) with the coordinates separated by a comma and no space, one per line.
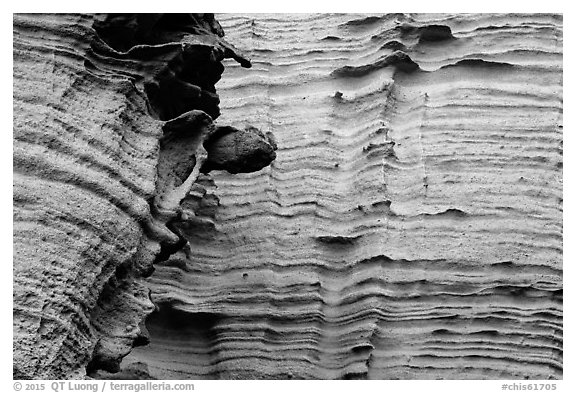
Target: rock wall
(112,114)
(411,225)
(409,228)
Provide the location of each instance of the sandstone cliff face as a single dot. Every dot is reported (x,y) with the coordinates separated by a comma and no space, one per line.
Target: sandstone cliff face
(410,226)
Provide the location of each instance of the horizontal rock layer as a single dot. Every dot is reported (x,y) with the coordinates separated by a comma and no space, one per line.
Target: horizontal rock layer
(110,116)
(411,225)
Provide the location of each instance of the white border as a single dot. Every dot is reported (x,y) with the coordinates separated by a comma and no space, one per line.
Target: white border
(299,6)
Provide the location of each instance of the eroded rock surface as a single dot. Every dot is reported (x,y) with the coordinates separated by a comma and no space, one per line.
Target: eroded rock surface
(111,113)
(411,225)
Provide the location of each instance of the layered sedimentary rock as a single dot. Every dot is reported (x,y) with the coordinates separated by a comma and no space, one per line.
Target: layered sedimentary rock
(411,225)
(111,117)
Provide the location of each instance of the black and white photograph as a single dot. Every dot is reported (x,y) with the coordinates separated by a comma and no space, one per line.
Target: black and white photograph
(287,196)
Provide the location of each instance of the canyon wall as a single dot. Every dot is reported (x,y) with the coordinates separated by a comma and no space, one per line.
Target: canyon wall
(410,226)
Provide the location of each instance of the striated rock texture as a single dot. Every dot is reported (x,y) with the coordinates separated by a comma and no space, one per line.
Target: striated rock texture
(111,115)
(411,225)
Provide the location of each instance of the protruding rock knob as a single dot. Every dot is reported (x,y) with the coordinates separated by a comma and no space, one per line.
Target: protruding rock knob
(239,151)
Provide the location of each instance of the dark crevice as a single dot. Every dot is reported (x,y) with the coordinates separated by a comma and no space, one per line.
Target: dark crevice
(180,54)
(176,60)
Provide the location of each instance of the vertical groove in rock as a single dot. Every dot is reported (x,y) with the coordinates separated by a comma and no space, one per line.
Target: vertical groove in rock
(411,226)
